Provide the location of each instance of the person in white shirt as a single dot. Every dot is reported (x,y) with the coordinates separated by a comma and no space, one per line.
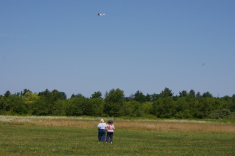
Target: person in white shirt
(101,130)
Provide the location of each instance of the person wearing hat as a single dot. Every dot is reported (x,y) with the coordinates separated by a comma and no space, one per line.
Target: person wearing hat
(101,130)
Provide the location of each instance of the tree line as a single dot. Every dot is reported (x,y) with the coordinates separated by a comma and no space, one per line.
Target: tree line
(163,105)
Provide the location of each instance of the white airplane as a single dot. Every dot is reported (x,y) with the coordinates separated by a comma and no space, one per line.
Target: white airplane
(100,14)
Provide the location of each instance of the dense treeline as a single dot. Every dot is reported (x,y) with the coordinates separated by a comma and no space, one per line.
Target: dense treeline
(163,105)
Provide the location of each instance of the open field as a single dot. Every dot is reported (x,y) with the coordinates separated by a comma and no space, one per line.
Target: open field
(46,140)
(78,136)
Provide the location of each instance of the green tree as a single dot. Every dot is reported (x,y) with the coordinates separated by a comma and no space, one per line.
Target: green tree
(29,98)
(166,92)
(130,98)
(16,105)
(184,93)
(228,103)
(165,107)
(198,95)
(95,107)
(57,95)
(89,107)
(140,97)
(233,97)
(126,109)
(155,97)
(59,108)
(127,99)
(192,92)
(96,95)
(1,103)
(7,94)
(207,95)
(76,96)
(114,102)
(135,108)
(192,102)
(183,108)
(5,102)
(44,93)
(148,97)
(24,92)
(154,108)
(175,98)
(204,108)
(146,108)
(75,106)
(216,104)
(232,107)
(72,96)
(181,104)
(42,106)
(50,99)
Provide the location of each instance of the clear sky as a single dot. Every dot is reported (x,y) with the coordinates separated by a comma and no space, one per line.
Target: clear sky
(143,45)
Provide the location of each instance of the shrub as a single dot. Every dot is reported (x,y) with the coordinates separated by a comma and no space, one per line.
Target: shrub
(220,114)
(231,116)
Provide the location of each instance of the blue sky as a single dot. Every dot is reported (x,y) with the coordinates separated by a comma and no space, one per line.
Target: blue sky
(138,45)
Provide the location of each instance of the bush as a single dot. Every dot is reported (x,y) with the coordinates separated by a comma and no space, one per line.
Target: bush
(220,114)
(231,116)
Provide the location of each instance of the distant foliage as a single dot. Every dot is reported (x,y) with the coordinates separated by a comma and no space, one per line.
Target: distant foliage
(163,105)
(96,95)
(114,101)
(220,114)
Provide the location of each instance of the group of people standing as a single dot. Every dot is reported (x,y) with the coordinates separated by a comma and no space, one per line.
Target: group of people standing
(102,128)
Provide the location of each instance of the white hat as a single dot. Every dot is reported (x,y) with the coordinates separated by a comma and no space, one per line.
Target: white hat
(102,120)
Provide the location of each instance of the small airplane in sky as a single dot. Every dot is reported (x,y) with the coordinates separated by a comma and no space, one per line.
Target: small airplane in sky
(100,14)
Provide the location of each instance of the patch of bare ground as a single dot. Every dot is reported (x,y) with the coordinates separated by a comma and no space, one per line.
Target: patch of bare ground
(147,125)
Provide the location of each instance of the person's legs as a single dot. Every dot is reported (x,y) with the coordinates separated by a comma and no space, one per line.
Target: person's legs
(111,136)
(99,135)
(103,135)
(107,137)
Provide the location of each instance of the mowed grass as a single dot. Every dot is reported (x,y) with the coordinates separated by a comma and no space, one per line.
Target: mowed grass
(50,140)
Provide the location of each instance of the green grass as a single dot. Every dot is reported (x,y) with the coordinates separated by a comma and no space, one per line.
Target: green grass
(40,140)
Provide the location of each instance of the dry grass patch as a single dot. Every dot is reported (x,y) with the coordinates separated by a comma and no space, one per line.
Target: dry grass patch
(177,126)
(148,125)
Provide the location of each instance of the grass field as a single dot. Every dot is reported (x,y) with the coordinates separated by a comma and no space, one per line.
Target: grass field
(32,139)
